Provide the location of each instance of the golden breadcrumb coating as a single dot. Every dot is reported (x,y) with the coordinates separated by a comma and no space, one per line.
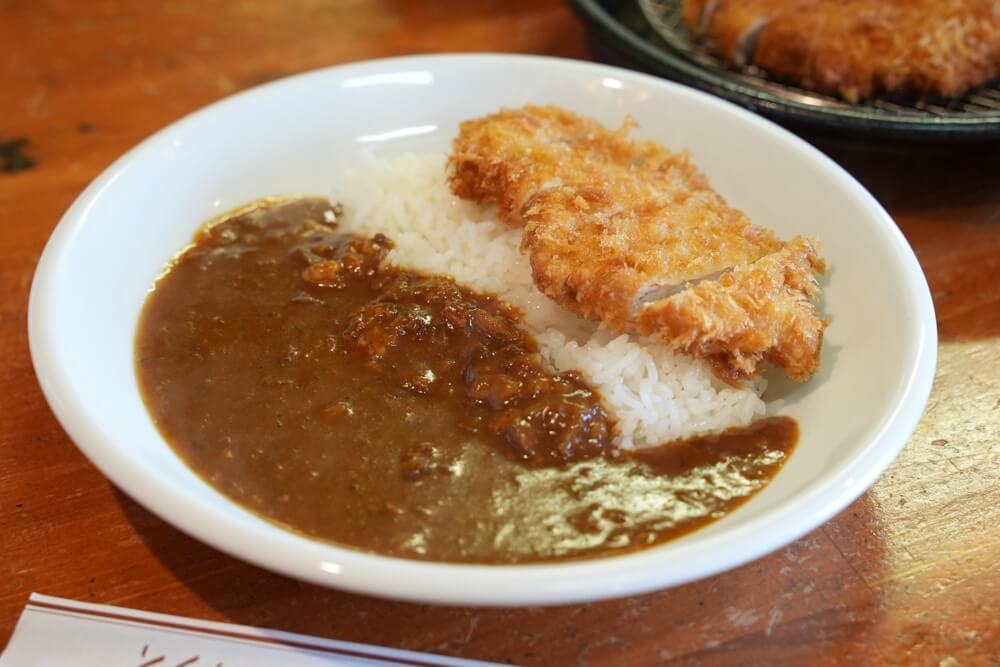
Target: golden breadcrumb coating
(859,48)
(615,230)
(601,250)
(757,312)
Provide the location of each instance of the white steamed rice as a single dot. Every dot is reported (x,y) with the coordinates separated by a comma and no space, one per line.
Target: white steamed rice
(656,394)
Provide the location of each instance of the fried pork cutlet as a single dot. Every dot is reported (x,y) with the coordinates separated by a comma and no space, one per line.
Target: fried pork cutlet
(858,48)
(630,234)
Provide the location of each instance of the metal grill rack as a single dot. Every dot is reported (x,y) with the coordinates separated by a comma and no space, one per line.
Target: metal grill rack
(652,34)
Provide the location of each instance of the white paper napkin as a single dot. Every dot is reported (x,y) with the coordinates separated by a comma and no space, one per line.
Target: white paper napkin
(53,631)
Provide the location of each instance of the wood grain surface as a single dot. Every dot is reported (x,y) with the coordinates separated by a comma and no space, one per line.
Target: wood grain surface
(907,575)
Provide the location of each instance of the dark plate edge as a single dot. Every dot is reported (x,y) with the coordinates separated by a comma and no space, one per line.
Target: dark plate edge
(608,32)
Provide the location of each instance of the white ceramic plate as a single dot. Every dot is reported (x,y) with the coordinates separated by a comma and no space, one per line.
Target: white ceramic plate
(296,135)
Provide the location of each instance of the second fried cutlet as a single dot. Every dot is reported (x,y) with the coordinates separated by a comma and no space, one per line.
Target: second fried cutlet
(858,48)
(617,230)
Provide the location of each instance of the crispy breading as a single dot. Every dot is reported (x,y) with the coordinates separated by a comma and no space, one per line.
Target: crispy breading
(859,48)
(616,229)
(735,25)
(603,249)
(508,157)
(757,312)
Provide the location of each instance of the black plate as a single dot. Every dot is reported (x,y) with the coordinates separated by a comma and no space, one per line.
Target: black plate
(648,35)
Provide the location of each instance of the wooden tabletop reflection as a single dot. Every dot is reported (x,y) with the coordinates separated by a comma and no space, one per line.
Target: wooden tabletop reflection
(906,575)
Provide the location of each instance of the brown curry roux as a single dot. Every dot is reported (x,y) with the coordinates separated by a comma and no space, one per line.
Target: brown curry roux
(399,413)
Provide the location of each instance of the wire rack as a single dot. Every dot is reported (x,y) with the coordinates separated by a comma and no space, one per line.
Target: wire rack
(655,33)
(665,17)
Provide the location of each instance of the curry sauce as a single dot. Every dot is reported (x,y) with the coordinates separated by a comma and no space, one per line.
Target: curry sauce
(397,412)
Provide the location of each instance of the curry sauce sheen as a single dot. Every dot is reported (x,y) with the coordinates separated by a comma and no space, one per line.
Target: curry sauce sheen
(399,413)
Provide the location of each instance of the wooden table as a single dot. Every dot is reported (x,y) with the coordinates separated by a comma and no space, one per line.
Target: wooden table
(907,574)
